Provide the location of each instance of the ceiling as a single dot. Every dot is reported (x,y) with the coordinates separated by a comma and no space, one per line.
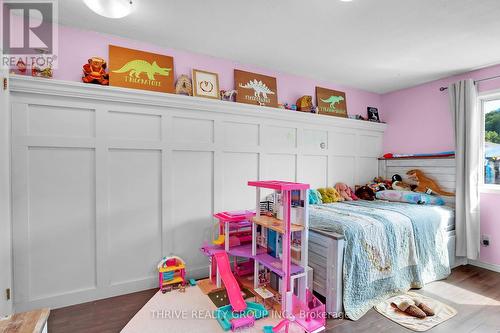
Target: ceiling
(376,45)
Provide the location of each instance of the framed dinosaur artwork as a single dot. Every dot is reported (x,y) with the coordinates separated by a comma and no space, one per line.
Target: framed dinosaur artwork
(331,102)
(257,89)
(140,70)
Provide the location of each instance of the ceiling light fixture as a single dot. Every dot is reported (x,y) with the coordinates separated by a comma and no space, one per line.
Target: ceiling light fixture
(111,8)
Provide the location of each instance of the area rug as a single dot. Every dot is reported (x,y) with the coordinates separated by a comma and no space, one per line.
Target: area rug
(442,312)
(188,312)
(219,298)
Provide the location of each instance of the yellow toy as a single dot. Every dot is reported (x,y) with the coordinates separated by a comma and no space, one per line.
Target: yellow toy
(329,195)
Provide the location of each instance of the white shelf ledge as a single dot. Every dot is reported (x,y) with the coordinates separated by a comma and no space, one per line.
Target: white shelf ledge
(70,89)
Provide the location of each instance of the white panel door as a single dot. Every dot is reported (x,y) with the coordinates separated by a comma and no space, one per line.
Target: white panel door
(5,202)
(55,229)
(134,216)
(192,207)
(315,171)
(280,167)
(343,169)
(239,168)
(367,167)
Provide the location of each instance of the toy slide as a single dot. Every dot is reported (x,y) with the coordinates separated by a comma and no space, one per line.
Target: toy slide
(281,325)
(232,288)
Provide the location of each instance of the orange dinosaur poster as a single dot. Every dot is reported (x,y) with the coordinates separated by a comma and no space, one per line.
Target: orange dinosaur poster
(331,102)
(255,88)
(140,70)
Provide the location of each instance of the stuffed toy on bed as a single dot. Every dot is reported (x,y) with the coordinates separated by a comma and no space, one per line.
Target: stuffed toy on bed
(365,193)
(345,192)
(330,195)
(315,197)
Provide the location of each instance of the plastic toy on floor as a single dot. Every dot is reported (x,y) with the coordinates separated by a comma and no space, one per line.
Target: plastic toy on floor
(234,232)
(171,272)
(298,305)
(238,314)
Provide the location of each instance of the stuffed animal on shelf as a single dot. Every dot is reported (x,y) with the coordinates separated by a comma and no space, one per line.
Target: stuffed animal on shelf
(344,191)
(304,104)
(21,66)
(365,193)
(425,184)
(330,195)
(184,86)
(95,71)
(228,95)
(39,72)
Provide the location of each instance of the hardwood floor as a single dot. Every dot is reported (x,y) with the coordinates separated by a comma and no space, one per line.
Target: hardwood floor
(473,291)
(104,316)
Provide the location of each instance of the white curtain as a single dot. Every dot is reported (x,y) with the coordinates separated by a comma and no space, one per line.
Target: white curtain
(467,121)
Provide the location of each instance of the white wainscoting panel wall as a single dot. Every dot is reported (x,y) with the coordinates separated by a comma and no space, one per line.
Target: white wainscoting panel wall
(106,180)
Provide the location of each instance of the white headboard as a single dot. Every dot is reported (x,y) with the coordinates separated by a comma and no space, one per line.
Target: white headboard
(441,169)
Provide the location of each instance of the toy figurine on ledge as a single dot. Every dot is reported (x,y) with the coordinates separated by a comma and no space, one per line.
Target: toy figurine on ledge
(184,86)
(20,68)
(305,104)
(41,72)
(228,95)
(95,71)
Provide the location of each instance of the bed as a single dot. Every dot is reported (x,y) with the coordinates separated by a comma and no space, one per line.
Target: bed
(331,248)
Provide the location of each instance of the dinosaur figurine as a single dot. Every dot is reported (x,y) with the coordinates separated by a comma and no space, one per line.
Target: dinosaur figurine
(333,100)
(137,67)
(425,184)
(259,88)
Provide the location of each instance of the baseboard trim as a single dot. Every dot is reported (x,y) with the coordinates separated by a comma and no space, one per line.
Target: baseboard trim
(491,267)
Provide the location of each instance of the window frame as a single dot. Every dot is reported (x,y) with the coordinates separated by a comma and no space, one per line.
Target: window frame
(482,99)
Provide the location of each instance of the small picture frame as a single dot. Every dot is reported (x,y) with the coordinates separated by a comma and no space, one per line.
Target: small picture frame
(372,114)
(205,84)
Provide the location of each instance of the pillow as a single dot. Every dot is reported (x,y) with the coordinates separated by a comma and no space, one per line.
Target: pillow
(410,197)
(314,197)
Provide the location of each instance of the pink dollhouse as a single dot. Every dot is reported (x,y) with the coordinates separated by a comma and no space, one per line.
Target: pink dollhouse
(273,242)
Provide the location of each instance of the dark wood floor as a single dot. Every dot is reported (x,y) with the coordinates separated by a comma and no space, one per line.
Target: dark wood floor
(473,291)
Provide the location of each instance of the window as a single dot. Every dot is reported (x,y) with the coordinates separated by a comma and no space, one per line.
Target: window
(491,149)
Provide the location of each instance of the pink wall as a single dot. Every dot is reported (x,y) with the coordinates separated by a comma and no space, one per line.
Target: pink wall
(76,46)
(420,121)
(419,118)
(490,225)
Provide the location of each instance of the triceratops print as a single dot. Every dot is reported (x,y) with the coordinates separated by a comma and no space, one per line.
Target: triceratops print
(333,100)
(137,67)
(259,88)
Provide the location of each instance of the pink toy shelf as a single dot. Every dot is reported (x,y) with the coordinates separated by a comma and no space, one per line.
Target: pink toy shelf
(235,237)
(277,232)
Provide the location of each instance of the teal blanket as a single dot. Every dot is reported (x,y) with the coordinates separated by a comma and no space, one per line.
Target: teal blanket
(389,248)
